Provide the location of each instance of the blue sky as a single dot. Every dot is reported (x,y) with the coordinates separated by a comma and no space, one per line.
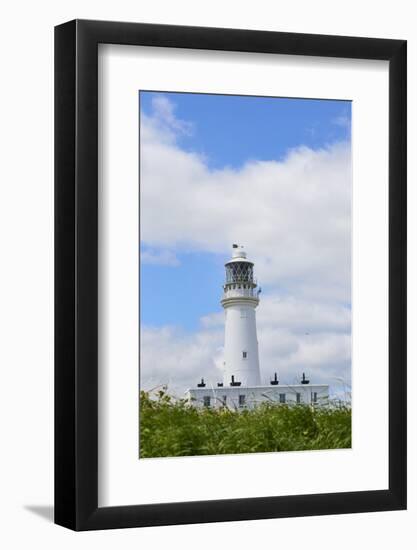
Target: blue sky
(180,295)
(228,132)
(232,130)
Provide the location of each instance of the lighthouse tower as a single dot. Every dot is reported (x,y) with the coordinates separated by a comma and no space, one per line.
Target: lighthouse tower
(240,299)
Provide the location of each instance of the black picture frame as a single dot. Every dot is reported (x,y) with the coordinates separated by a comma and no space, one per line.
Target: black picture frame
(76,272)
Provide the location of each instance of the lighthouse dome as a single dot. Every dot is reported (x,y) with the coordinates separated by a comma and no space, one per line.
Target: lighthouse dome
(238,255)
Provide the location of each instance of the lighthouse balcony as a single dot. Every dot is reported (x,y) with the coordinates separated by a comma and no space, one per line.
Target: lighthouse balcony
(240,291)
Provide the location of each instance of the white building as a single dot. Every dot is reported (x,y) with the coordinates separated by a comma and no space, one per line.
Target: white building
(241,386)
(240,299)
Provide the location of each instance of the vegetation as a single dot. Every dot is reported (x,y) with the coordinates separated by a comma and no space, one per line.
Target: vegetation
(170,427)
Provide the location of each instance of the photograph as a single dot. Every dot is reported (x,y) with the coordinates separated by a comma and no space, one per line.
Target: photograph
(245,274)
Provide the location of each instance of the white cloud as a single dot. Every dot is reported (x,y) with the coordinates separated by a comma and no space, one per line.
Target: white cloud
(304,316)
(294,337)
(170,356)
(293,216)
(159,257)
(342,120)
(164,126)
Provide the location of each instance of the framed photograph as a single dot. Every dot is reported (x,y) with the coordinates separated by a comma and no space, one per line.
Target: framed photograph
(230,284)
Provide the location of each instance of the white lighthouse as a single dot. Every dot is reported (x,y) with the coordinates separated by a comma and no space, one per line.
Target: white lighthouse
(241,385)
(240,299)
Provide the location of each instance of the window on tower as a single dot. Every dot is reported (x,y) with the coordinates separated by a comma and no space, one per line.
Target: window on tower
(239,272)
(244,354)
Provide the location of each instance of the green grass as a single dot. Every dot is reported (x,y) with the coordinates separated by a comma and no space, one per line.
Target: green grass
(173,428)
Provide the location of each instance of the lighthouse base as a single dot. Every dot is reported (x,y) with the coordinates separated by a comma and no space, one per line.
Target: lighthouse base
(248,397)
